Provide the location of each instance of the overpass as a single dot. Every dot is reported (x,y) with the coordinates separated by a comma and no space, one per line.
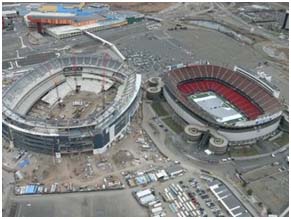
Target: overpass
(285,212)
(105,42)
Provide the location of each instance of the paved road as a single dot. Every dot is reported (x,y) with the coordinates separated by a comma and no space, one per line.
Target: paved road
(247,165)
(244,25)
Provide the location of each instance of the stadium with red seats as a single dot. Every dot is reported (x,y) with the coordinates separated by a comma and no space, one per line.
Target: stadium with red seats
(239,104)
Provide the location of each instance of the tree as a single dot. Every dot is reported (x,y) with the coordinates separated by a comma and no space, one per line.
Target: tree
(249,192)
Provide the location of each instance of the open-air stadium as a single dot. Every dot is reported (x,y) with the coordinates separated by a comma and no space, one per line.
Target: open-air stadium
(237,104)
(71,104)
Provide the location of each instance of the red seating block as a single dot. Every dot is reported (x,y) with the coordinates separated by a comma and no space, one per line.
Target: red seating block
(238,100)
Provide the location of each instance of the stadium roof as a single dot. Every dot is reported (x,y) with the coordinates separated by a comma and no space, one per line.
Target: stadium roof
(90,17)
(49,14)
(215,106)
(71,16)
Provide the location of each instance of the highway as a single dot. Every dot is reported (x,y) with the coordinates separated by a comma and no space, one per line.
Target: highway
(248,27)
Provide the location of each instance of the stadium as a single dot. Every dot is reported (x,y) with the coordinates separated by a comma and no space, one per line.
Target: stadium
(237,104)
(71,104)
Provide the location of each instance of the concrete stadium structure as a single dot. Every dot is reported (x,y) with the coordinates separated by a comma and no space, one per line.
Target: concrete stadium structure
(195,133)
(253,100)
(95,132)
(154,88)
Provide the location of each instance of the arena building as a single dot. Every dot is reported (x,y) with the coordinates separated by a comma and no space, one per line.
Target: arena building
(71,104)
(238,104)
(69,20)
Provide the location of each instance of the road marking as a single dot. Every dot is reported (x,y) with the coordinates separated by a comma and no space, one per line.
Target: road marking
(16,63)
(11,65)
(22,44)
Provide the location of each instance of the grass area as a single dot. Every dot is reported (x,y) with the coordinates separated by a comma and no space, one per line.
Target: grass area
(282,140)
(159,109)
(173,125)
(243,152)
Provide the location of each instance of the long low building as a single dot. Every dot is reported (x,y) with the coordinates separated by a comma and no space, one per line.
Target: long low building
(230,202)
(61,32)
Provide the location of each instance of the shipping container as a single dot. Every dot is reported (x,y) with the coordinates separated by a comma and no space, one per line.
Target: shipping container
(186,207)
(169,199)
(182,214)
(143,193)
(177,204)
(189,206)
(157,205)
(153,202)
(157,210)
(172,208)
(194,213)
(172,197)
(185,195)
(193,206)
(173,189)
(147,199)
(179,187)
(180,199)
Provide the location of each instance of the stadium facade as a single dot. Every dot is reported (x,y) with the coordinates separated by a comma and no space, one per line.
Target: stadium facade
(237,104)
(93,133)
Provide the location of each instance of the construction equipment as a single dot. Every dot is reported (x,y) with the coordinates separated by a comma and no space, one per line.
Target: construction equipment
(77,87)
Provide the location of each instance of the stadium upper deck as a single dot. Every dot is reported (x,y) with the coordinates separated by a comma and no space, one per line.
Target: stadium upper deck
(255,100)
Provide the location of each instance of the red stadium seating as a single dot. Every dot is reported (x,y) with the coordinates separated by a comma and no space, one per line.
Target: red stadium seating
(241,102)
(244,93)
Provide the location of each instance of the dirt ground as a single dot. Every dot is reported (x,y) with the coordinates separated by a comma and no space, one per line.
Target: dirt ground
(88,169)
(143,7)
(272,191)
(90,102)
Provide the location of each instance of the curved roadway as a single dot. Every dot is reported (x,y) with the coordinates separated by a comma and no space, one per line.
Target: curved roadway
(223,171)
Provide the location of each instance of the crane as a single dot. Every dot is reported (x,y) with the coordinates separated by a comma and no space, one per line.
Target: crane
(77,87)
(105,61)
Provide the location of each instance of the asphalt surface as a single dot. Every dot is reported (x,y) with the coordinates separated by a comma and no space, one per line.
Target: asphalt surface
(247,165)
(101,204)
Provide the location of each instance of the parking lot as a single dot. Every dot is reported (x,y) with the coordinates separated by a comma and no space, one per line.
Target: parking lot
(188,196)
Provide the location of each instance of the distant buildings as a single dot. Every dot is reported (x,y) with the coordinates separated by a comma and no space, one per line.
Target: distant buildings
(62,20)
